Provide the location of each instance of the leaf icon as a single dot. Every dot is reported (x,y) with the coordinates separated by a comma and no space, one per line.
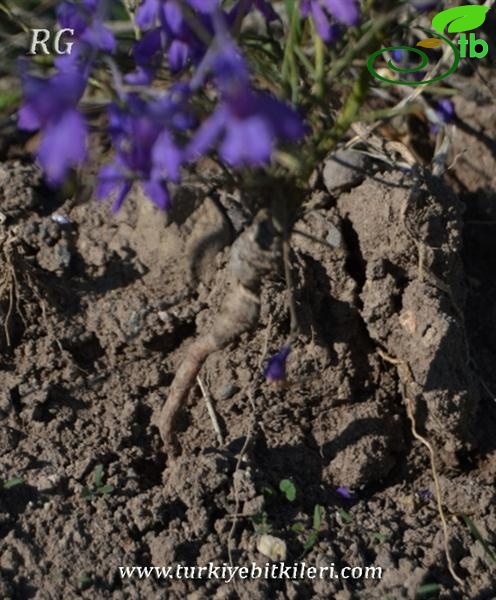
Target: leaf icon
(430,43)
(460,18)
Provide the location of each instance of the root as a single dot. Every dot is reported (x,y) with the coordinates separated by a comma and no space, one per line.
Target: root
(435,476)
(405,374)
(10,290)
(255,253)
(20,282)
(211,410)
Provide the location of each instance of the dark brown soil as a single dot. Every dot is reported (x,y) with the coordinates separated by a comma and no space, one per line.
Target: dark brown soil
(104,310)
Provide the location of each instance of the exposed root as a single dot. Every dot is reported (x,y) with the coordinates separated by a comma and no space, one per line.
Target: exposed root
(440,509)
(211,410)
(405,374)
(20,281)
(10,288)
(255,253)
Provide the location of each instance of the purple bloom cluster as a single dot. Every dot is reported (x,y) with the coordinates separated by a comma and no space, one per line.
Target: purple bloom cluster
(143,138)
(245,123)
(166,30)
(50,104)
(86,19)
(154,138)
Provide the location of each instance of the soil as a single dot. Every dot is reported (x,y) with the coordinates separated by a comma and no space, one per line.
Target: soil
(100,310)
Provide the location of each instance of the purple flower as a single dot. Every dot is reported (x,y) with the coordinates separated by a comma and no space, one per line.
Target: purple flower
(445,110)
(444,113)
(398,55)
(86,19)
(246,124)
(166,30)
(146,150)
(424,5)
(246,127)
(275,371)
(50,105)
(426,494)
(345,493)
(345,12)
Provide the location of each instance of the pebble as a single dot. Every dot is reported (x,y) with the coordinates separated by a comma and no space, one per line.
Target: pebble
(227,391)
(272,547)
(60,219)
(343,170)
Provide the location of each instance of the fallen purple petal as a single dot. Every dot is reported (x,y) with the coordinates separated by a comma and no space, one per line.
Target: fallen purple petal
(275,371)
(345,493)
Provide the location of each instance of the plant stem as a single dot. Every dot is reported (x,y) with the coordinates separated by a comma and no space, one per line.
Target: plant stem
(319,64)
(289,69)
(349,112)
(389,113)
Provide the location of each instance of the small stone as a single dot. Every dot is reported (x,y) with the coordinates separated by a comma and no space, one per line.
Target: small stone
(131,473)
(343,170)
(60,219)
(47,480)
(8,440)
(56,258)
(334,237)
(227,391)
(5,403)
(272,547)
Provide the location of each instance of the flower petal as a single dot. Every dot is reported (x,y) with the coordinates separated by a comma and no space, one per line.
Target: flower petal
(147,13)
(110,178)
(178,55)
(247,141)
(121,196)
(208,133)
(166,158)
(344,11)
(321,21)
(63,145)
(158,194)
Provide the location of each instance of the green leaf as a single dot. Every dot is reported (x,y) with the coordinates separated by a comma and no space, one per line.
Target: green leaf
(287,487)
(8,98)
(345,516)
(298,527)
(460,18)
(85,581)
(106,489)
(290,6)
(424,591)
(310,541)
(10,483)
(97,475)
(268,491)
(260,518)
(261,524)
(318,515)
(476,534)
(379,537)
(86,494)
